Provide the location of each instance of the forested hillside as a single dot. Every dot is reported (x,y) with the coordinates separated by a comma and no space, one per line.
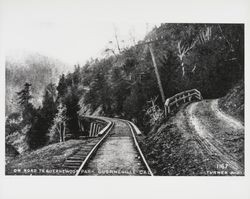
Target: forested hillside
(36,69)
(208,57)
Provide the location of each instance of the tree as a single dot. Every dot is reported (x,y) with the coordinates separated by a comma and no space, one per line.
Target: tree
(43,119)
(99,93)
(49,108)
(62,86)
(119,90)
(24,97)
(154,112)
(71,101)
(58,129)
(208,57)
(35,69)
(13,123)
(36,136)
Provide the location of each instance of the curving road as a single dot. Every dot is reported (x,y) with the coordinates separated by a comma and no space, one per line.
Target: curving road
(218,136)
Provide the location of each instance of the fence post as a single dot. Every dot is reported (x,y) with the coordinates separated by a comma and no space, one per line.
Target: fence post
(95,129)
(98,130)
(186,96)
(90,130)
(200,96)
(176,102)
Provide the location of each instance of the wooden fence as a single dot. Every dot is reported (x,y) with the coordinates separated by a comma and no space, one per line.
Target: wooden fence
(93,127)
(180,98)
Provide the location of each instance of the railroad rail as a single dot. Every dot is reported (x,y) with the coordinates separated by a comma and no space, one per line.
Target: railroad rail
(125,141)
(134,130)
(104,131)
(79,159)
(182,97)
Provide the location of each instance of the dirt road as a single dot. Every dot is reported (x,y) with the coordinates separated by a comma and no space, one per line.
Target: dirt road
(218,136)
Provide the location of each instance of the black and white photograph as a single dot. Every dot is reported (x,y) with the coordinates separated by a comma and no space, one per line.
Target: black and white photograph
(169,103)
(99,96)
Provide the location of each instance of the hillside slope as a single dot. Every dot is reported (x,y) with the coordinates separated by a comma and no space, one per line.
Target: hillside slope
(200,139)
(45,161)
(233,102)
(36,69)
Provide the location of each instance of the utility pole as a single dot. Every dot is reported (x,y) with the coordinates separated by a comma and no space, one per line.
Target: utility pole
(149,43)
(157,73)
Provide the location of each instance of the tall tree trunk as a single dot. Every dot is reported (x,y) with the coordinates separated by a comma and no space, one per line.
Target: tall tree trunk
(60,132)
(64,128)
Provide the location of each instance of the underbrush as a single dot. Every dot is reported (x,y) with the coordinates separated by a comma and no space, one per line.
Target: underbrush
(49,157)
(171,153)
(233,102)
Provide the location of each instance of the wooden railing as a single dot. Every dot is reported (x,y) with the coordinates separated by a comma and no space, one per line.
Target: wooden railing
(95,126)
(183,97)
(104,132)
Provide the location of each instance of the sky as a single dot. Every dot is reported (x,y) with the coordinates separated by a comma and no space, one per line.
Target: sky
(75,30)
(71,31)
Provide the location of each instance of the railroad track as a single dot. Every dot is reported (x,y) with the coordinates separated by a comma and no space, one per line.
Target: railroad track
(117,152)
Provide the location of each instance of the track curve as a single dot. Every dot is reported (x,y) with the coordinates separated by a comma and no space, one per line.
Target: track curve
(118,154)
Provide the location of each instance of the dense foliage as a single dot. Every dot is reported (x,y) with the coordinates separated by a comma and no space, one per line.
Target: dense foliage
(209,57)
